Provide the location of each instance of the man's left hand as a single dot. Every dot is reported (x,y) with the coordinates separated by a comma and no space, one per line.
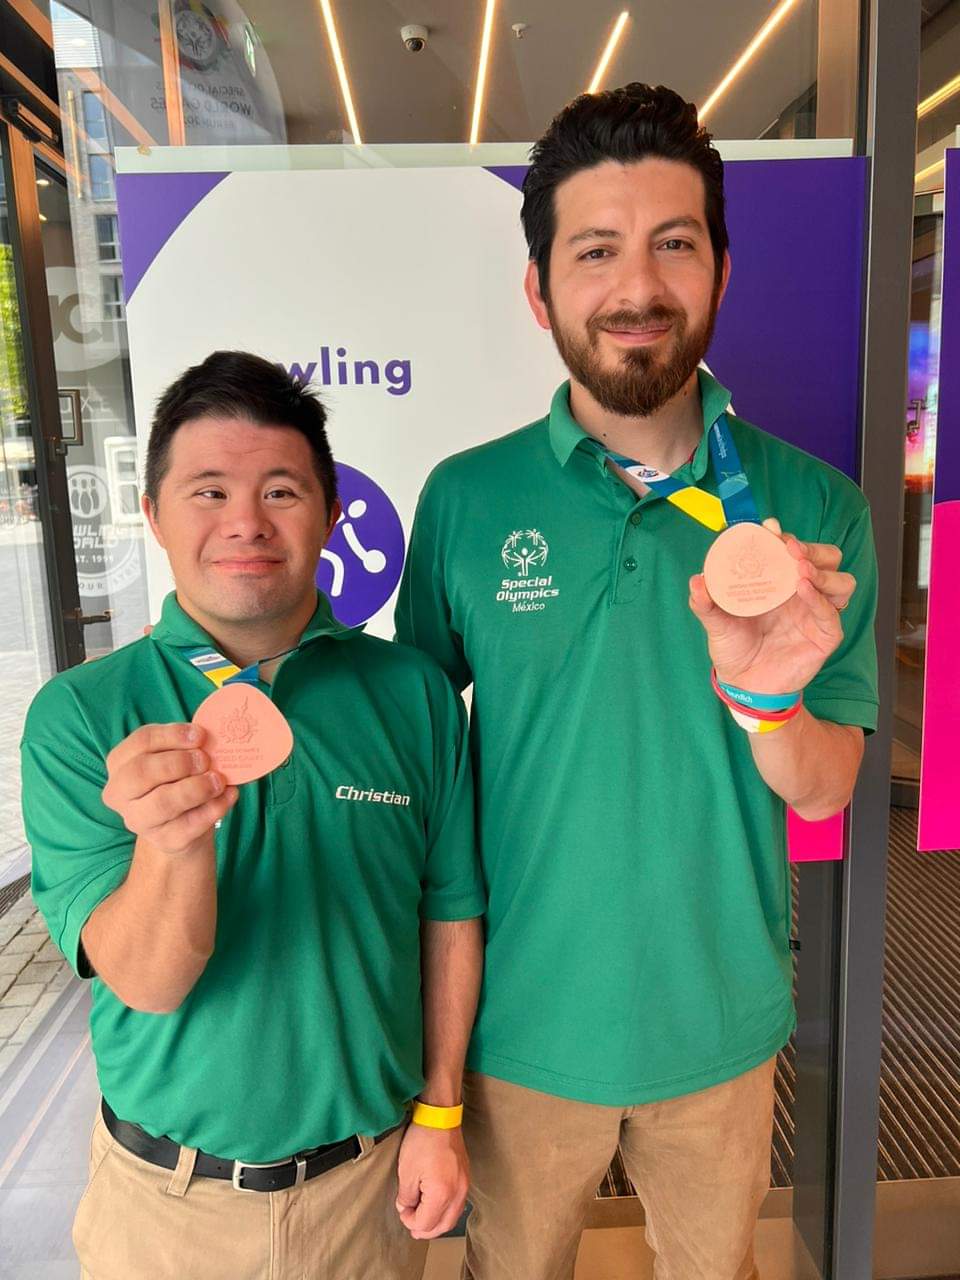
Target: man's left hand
(433,1174)
(780,651)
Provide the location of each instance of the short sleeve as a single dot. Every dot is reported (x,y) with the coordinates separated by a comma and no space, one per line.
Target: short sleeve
(453,886)
(845,689)
(423,610)
(81,849)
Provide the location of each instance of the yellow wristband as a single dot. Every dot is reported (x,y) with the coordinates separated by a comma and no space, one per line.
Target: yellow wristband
(437,1117)
(753,725)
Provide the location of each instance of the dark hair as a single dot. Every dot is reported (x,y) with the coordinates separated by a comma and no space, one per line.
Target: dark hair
(623,125)
(236,384)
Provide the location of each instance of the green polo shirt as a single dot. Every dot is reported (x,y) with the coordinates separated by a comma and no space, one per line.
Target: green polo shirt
(639,898)
(305,1026)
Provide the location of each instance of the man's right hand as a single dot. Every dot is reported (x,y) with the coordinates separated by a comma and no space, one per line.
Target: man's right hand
(160,782)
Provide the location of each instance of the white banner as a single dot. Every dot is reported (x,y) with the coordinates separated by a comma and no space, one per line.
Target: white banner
(397,292)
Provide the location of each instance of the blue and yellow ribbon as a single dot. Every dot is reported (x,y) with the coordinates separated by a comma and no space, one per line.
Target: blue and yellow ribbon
(733,503)
(220,670)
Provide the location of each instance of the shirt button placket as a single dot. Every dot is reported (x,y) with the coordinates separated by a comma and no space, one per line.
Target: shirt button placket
(628,571)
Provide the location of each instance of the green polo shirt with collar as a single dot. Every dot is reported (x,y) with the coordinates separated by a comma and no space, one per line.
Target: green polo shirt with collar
(305,1026)
(639,897)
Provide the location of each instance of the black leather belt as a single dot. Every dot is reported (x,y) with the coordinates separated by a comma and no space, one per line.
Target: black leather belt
(276,1176)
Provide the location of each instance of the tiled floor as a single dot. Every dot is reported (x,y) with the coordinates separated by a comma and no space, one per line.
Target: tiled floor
(47,1101)
(32,975)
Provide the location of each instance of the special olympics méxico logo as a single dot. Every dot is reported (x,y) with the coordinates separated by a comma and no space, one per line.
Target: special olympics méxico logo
(523,549)
(361,564)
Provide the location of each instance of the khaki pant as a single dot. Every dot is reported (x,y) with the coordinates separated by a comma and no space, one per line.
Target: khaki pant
(136,1221)
(700,1164)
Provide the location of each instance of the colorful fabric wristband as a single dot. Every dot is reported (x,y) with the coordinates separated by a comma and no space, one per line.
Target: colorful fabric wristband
(790,712)
(437,1117)
(759,715)
(760,701)
(755,720)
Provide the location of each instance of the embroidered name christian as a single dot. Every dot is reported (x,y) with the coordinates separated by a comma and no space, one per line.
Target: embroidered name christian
(371,797)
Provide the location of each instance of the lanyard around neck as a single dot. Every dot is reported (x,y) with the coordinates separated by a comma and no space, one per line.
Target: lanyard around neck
(733,503)
(220,670)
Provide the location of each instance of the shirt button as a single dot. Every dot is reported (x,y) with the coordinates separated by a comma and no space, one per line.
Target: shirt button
(636,518)
(630,564)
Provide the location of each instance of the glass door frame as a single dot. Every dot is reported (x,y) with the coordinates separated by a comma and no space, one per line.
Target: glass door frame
(20,159)
(842,905)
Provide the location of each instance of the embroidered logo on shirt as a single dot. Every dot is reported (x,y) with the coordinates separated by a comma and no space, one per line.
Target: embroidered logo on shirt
(523,550)
(369,796)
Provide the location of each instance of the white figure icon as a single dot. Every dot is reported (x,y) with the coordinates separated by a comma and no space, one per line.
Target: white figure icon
(373,561)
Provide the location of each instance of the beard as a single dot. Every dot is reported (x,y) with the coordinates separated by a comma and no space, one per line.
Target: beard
(642,381)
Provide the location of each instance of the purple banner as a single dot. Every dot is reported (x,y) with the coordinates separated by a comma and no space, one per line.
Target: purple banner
(788,334)
(150,207)
(787,341)
(939,819)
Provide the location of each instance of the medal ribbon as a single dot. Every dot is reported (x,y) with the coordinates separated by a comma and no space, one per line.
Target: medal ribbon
(734,502)
(220,670)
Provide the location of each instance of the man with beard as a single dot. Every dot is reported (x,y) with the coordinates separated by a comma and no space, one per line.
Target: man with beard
(635,745)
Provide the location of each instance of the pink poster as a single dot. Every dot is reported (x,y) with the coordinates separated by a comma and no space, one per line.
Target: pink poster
(939,821)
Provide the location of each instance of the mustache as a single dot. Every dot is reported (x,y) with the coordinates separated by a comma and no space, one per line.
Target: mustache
(652,317)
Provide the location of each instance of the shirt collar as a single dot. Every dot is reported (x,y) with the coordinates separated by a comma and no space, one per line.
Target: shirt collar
(566,434)
(177,629)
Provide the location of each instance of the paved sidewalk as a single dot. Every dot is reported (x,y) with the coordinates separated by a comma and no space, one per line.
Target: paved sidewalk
(32,975)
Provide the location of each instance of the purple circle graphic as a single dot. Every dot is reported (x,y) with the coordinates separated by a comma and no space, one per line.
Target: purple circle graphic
(361,564)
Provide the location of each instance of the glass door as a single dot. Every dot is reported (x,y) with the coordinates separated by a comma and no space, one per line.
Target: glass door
(920,447)
(81,254)
(26,638)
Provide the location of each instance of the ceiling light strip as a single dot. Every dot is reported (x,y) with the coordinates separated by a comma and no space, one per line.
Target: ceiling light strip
(482,68)
(939,97)
(755,45)
(608,52)
(339,63)
(928,172)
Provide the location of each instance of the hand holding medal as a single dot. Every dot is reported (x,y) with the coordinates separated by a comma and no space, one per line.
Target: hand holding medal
(174,783)
(782,648)
(160,781)
(769,604)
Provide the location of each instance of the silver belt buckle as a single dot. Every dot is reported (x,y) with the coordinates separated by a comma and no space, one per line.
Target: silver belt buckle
(240,1165)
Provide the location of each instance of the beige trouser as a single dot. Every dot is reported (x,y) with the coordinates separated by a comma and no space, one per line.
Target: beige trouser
(139,1222)
(700,1164)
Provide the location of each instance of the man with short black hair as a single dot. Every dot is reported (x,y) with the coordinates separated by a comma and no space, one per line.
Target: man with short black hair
(256,948)
(632,801)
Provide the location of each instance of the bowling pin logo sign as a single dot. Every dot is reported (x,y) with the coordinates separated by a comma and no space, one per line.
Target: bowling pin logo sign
(361,564)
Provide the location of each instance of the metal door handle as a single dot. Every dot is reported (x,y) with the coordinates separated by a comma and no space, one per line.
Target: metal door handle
(88,619)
